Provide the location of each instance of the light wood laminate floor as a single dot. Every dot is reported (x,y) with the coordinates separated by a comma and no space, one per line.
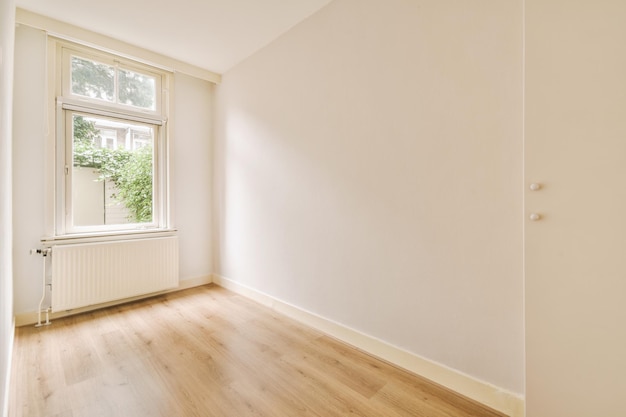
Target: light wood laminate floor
(208,352)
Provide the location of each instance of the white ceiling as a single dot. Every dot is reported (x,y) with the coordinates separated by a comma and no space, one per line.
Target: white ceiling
(211,34)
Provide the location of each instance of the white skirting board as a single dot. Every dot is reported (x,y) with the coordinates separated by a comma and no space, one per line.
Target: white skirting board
(7,380)
(501,400)
(28,318)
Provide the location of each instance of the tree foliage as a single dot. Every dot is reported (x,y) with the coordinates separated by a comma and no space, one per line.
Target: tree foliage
(134,182)
(136,89)
(97,80)
(130,171)
(93,79)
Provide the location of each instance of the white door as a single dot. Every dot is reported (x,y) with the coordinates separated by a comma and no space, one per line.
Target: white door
(575,253)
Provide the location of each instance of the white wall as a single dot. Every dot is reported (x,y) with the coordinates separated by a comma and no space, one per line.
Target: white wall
(191,165)
(190,169)
(7,23)
(368,166)
(29,115)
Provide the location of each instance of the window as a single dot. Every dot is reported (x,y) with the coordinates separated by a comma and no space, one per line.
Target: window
(109,137)
(111,143)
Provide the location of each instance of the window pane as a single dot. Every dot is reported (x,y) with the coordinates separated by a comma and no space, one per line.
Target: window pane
(137,89)
(112,171)
(92,79)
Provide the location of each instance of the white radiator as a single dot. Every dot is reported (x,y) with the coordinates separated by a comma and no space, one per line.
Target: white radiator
(94,273)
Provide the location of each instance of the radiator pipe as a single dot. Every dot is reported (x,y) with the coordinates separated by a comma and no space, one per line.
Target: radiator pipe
(44,253)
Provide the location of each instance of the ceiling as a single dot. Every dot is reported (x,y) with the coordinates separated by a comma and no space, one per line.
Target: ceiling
(211,34)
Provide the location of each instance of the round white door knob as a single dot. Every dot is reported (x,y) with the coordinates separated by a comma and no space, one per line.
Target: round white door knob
(534,217)
(534,186)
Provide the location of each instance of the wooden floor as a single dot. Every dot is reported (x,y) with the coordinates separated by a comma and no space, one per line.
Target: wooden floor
(208,352)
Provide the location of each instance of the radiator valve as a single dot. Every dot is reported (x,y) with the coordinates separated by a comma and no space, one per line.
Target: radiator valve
(42,252)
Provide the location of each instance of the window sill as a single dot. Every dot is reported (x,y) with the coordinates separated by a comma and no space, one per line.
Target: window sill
(106,236)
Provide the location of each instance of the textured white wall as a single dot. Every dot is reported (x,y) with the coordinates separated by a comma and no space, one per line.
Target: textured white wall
(7,23)
(368,169)
(190,148)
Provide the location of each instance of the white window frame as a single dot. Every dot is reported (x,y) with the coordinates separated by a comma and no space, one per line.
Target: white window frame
(68,50)
(65,104)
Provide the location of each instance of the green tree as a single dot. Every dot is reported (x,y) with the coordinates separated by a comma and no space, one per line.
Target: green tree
(85,134)
(136,89)
(97,80)
(134,182)
(131,172)
(93,79)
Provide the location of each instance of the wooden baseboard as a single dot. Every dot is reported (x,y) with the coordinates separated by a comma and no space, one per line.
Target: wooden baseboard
(25,319)
(499,399)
